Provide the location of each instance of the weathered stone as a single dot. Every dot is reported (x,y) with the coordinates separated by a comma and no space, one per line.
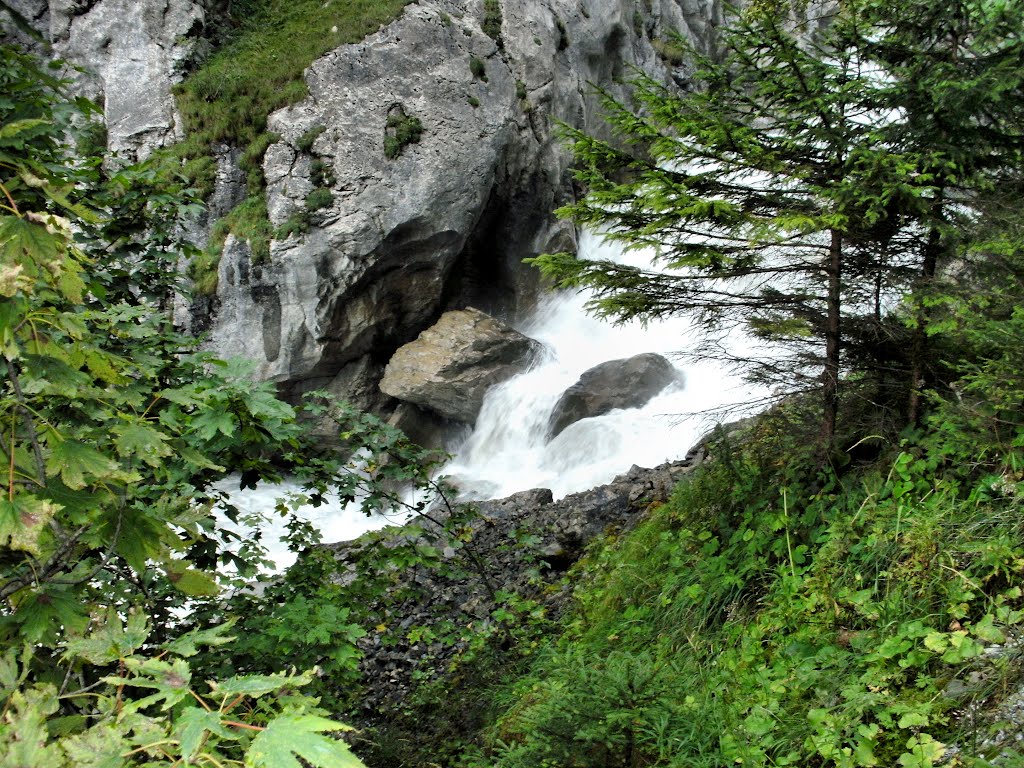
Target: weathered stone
(447,221)
(626,383)
(450,367)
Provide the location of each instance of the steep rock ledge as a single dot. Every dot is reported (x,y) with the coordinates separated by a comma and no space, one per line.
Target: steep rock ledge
(447,221)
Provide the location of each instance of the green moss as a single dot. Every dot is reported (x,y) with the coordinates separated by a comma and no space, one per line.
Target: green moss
(296,224)
(491,25)
(247,221)
(319,198)
(321,174)
(520,89)
(306,140)
(202,271)
(474,102)
(672,51)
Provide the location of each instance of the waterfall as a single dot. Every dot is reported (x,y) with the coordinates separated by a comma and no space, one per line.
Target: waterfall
(507,450)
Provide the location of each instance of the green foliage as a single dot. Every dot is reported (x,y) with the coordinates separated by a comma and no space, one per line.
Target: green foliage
(767,616)
(321,174)
(671,51)
(806,224)
(474,102)
(295,225)
(478,68)
(114,430)
(491,25)
(306,140)
(400,130)
(319,198)
(260,719)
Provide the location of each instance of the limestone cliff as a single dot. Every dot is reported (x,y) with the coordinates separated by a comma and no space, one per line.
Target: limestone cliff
(438,224)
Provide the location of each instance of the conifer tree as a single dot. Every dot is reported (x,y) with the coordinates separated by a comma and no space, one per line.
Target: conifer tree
(804,182)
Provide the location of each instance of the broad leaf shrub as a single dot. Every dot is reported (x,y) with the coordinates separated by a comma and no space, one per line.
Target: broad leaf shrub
(113,431)
(770,616)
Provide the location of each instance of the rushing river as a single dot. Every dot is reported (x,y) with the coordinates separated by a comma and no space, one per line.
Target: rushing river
(508,452)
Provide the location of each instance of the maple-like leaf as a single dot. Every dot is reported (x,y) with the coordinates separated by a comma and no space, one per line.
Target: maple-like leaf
(300,735)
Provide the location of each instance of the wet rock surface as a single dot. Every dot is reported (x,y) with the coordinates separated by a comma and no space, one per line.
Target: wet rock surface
(626,383)
(451,365)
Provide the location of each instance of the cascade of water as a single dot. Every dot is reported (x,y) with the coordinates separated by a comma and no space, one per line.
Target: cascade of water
(508,450)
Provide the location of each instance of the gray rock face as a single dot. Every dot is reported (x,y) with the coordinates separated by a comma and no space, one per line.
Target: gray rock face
(627,383)
(133,51)
(447,221)
(453,363)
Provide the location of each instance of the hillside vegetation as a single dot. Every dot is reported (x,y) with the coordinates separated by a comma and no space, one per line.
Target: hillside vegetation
(840,584)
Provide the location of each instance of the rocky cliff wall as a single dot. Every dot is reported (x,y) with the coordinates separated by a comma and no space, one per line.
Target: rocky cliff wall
(448,221)
(444,223)
(132,52)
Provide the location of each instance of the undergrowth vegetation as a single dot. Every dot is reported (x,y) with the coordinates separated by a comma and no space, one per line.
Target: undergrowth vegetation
(770,616)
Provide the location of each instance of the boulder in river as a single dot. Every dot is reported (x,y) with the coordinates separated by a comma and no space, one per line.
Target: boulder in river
(450,366)
(627,383)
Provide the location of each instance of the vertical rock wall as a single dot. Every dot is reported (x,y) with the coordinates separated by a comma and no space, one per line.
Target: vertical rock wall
(448,221)
(443,223)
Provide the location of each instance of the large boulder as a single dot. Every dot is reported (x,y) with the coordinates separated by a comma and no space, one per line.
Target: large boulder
(453,363)
(626,383)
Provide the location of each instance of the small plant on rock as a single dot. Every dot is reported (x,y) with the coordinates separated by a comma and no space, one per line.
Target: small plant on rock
(400,130)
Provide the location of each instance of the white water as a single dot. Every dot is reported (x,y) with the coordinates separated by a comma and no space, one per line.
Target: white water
(507,451)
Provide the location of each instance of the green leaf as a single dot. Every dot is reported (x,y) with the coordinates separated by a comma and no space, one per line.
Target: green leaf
(18,127)
(111,641)
(191,582)
(76,461)
(208,423)
(23,520)
(138,439)
(923,752)
(290,735)
(191,727)
(23,735)
(913,720)
(170,680)
(986,631)
(258,685)
(101,746)
(189,643)
(25,242)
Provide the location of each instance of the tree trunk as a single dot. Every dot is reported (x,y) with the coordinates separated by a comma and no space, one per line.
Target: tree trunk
(919,345)
(830,376)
